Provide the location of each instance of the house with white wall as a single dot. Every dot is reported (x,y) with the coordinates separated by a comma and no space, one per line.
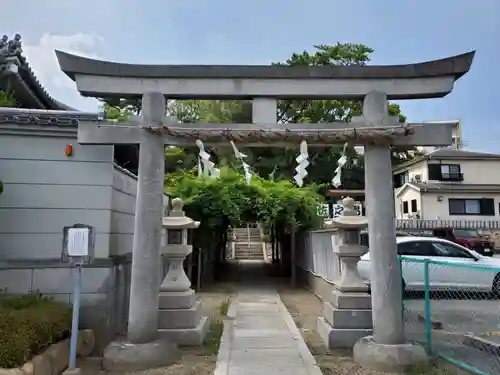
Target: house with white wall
(448,184)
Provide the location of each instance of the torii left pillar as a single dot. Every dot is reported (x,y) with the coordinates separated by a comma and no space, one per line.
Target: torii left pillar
(142,349)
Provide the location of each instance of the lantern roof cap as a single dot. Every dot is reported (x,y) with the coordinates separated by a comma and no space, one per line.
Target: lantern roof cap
(177,219)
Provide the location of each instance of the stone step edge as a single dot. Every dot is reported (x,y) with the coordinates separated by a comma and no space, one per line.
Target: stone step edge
(248,242)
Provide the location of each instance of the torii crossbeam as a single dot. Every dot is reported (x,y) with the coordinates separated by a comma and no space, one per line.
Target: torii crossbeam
(279,135)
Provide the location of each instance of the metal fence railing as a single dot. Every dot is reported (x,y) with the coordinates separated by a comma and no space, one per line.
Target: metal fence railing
(453,309)
(454,224)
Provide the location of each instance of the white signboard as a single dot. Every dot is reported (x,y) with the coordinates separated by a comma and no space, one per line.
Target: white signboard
(338,209)
(78,242)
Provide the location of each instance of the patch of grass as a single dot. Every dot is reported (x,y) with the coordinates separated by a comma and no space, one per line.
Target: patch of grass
(216,329)
(214,335)
(224,307)
(212,341)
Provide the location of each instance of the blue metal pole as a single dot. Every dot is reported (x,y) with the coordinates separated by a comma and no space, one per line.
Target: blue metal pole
(427,292)
(77,280)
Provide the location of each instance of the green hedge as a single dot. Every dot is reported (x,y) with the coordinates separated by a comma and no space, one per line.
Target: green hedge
(28,325)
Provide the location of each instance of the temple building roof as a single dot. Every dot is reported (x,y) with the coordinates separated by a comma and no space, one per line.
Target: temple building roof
(17,77)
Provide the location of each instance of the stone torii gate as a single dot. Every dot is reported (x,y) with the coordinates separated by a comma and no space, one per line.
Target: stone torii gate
(375,130)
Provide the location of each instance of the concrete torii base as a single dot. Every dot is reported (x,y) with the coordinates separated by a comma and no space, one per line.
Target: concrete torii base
(388,358)
(124,356)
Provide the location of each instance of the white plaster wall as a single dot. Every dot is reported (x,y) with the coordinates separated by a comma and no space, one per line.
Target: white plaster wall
(123,196)
(421,169)
(124,192)
(434,209)
(477,171)
(45,190)
(474,171)
(408,195)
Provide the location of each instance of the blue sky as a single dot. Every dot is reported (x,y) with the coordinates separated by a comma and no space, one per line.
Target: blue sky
(264,31)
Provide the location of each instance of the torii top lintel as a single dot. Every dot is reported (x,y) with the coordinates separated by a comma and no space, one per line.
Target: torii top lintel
(429,79)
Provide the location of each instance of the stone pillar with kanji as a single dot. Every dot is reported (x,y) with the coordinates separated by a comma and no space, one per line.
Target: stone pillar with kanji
(179,316)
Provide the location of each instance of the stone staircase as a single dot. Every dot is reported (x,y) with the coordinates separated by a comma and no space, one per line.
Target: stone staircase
(248,244)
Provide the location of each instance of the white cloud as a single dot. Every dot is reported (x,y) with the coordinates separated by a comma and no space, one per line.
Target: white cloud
(44,63)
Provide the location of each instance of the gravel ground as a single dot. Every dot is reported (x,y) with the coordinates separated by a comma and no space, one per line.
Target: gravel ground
(193,360)
(305,308)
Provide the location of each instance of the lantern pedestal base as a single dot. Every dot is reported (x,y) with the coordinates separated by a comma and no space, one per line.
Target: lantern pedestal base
(177,300)
(182,321)
(180,318)
(187,336)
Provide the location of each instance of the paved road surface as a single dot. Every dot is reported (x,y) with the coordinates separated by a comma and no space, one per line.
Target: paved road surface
(458,318)
(461,316)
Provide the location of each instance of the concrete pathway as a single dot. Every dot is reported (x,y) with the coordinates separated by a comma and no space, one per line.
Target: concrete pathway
(261,338)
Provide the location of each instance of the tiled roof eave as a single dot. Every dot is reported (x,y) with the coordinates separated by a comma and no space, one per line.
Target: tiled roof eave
(26,78)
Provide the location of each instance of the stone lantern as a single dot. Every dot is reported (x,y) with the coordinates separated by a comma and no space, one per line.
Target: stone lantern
(179,317)
(348,315)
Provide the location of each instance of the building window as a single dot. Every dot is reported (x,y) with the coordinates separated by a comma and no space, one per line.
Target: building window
(450,171)
(400,179)
(405,207)
(414,206)
(445,172)
(485,206)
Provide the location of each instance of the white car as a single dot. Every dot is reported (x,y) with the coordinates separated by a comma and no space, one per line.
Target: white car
(462,269)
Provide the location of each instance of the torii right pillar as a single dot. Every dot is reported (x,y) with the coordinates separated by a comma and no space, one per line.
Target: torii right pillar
(387,349)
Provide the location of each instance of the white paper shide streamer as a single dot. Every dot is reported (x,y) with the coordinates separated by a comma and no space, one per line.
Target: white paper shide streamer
(241,156)
(206,167)
(337,179)
(303,163)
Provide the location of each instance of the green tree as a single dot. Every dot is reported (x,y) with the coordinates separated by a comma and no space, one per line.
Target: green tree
(119,112)
(7,100)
